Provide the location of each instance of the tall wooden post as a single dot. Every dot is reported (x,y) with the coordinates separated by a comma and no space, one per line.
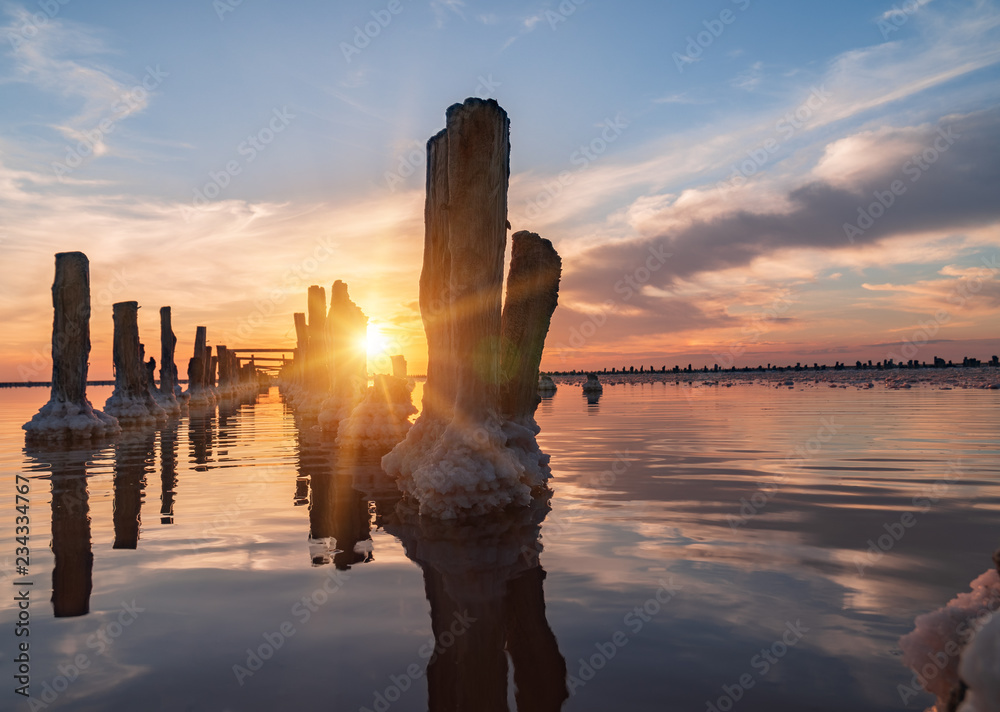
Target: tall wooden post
(69,414)
(168,369)
(319,368)
(478,170)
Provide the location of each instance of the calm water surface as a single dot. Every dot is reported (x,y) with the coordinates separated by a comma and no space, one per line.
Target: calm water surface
(695,537)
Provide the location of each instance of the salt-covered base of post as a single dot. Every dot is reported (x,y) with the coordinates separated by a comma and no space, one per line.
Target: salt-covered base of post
(463,472)
(330,411)
(200,398)
(546,384)
(167,401)
(59,420)
(522,443)
(382,419)
(937,635)
(134,411)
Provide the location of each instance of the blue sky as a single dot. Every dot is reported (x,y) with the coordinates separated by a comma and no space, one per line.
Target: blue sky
(633,125)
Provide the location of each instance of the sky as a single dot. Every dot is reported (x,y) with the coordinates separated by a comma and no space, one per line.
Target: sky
(732,182)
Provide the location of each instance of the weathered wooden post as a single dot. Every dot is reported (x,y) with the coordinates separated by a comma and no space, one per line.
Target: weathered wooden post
(347,327)
(478,171)
(69,414)
(319,368)
(435,287)
(224,379)
(473,448)
(166,395)
(199,389)
(301,347)
(131,400)
(532,294)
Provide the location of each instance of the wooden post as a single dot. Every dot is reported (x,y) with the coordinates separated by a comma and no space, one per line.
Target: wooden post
(168,370)
(478,170)
(302,346)
(200,343)
(435,287)
(223,360)
(532,294)
(319,368)
(131,398)
(347,327)
(69,414)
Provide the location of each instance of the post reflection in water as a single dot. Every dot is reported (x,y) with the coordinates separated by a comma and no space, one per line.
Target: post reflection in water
(168,470)
(592,402)
(483,579)
(72,575)
(340,518)
(133,461)
(201,427)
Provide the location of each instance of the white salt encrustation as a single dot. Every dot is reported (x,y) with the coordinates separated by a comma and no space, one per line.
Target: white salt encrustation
(943,650)
(382,419)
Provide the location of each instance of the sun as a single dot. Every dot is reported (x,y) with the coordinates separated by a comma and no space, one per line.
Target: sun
(376,342)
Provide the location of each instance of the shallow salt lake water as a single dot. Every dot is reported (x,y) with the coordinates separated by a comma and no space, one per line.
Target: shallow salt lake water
(705,549)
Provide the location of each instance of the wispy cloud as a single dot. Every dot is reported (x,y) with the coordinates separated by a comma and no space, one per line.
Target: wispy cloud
(64,58)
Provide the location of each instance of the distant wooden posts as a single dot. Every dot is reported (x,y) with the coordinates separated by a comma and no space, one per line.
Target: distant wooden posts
(473,448)
(131,400)
(398,366)
(301,347)
(68,414)
(201,371)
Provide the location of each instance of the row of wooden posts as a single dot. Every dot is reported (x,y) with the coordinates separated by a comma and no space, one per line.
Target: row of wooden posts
(136,397)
